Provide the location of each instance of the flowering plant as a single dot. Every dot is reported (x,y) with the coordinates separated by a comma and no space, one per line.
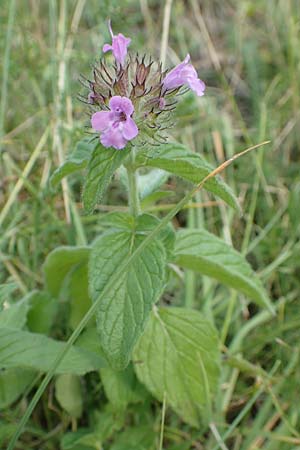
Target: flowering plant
(137,340)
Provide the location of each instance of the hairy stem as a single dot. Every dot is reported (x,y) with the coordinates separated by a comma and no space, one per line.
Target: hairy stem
(133,192)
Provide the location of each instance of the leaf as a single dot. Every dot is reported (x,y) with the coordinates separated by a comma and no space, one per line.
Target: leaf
(59,263)
(77,291)
(122,314)
(36,351)
(150,182)
(13,382)
(179,160)
(142,224)
(15,315)
(178,357)
(102,165)
(204,252)
(76,161)
(6,290)
(43,309)
(138,438)
(121,387)
(68,393)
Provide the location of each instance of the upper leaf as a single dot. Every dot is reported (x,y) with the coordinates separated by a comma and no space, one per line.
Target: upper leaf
(122,314)
(177,357)
(142,224)
(206,253)
(77,160)
(101,167)
(177,159)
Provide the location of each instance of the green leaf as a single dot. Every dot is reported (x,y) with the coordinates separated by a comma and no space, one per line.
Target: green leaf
(59,263)
(43,309)
(101,167)
(15,315)
(13,382)
(138,438)
(76,161)
(142,224)
(122,315)
(204,252)
(6,290)
(178,357)
(179,160)
(36,351)
(150,182)
(77,290)
(121,387)
(68,393)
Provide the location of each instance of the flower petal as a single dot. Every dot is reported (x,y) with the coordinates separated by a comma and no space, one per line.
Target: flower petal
(106,48)
(130,130)
(115,103)
(101,120)
(119,45)
(127,106)
(113,138)
(121,104)
(184,73)
(197,86)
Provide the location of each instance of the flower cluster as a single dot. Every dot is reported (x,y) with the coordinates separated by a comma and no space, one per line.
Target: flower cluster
(134,97)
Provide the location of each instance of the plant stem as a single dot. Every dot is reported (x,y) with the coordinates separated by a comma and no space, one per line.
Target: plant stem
(133,192)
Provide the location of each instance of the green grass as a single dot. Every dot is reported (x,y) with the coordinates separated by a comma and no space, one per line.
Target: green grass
(247,53)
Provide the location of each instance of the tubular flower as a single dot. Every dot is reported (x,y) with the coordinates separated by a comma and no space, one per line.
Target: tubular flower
(118,47)
(182,74)
(116,126)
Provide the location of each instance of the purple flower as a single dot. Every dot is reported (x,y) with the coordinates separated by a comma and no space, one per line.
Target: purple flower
(182,74)
(118,47)
(116,126)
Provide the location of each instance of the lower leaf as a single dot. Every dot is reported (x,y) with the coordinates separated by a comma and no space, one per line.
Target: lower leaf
(177,358)
(122,314)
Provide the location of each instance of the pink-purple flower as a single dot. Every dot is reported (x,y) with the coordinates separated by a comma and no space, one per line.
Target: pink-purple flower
(118,47)
(182,74)
(116,126)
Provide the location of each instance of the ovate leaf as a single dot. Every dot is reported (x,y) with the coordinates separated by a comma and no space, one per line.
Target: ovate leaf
(36,351)
(177,357)
(76,161)
(77,291)
(59,263)
(204,252)
(102,165)
(179,160)
(122,314)
(68,393)
(13,382)
(43,309)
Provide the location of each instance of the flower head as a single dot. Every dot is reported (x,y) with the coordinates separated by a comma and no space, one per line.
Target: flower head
(118,47)
(116,126)
(182,74)
(135,97)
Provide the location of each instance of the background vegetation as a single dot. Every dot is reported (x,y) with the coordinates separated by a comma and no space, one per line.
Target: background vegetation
(248,54)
